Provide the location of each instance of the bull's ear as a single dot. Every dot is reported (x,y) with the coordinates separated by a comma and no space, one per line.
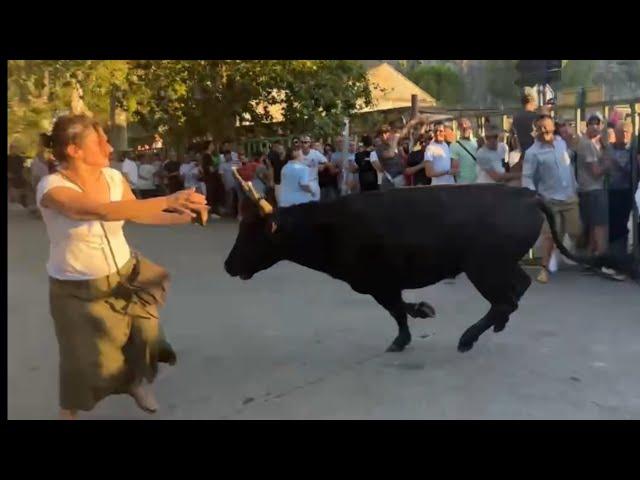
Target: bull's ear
(273,227)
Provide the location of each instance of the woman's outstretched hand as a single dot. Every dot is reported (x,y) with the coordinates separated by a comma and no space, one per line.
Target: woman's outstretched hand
(189,202)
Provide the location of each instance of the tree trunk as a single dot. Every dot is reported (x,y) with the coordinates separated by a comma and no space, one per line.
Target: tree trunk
(117,126)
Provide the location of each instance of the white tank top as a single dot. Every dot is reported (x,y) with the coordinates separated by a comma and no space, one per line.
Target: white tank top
(78,249)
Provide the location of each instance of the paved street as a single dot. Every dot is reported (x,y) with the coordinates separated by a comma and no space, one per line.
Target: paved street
(295,344)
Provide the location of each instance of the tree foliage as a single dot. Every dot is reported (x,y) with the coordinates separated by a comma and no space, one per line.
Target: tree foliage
(187,98)
(501,77)
(442,82)
(40,90)
(201,97)
(578,73)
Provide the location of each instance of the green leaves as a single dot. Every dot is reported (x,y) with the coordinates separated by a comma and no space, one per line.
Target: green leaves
(206,96)
(578,73)
(441,81)
(185,98)
(501,78)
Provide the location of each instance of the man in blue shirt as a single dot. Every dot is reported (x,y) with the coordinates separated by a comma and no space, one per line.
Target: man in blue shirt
(547,169)
(295,184)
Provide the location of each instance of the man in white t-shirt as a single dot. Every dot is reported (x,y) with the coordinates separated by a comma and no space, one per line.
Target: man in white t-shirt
(130,172)
(490,159)
(146,173)
(316,162)
(437,157)
(190,171)
(227,147)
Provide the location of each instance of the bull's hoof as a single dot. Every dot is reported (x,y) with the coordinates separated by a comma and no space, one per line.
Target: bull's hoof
(398,345)
(499,326)
(395,348)
(466,343)
(424,310)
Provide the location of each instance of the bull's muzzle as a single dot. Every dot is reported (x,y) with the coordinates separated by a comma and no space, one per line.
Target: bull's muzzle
(233,273)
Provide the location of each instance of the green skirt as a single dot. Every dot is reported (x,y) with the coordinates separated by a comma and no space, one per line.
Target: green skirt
(108,341)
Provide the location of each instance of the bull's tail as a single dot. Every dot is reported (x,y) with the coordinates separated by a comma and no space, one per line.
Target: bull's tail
(621,263)
(591,261)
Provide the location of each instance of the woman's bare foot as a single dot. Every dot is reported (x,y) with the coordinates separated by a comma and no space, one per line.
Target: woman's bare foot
(144,398)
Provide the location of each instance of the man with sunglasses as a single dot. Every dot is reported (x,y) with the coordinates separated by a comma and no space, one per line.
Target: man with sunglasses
(316,162)
(547,169)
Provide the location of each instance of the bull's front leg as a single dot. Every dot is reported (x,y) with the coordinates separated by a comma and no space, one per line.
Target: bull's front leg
(393,303)
(420,310)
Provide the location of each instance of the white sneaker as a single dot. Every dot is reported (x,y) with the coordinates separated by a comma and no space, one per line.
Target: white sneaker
(553,262)
(611,273)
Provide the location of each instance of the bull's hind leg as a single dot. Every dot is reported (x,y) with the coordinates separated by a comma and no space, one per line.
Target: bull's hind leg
(420,310)
(520,284)
(393,303)
(503,288)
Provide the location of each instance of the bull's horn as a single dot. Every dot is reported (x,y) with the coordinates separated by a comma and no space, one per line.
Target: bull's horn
(264,206)
(238,177)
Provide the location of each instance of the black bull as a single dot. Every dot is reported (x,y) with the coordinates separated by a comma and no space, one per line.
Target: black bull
(382,243)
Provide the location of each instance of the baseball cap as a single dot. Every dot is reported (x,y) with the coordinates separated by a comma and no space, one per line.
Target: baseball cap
(595,117)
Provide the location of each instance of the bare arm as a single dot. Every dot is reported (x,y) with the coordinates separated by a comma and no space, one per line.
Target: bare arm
(431,172)
(415,169)
(376,164)
(170,217)
(79,206)
(409,126)
(166,218)
(332,168)
(503,177)
(455,166)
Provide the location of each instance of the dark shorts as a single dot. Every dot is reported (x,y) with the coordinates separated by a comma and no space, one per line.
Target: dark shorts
(594,208)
